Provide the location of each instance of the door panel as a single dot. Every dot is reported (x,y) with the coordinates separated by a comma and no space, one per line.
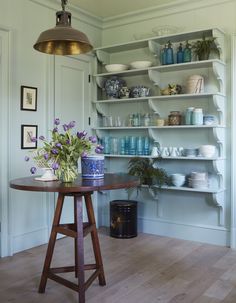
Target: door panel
(71,102)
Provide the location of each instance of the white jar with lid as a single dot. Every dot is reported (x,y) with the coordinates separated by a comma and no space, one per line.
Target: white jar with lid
(195,84)
(197,117)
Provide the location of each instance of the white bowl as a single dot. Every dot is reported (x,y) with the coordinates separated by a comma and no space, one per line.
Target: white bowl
(207,151)
(140,64)
(116,67)
(178,179)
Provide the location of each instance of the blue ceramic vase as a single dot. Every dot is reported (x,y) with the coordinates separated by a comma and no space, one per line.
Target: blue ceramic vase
(92,167)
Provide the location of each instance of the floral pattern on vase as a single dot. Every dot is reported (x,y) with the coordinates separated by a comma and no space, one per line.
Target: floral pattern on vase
(92,167)
(113,87)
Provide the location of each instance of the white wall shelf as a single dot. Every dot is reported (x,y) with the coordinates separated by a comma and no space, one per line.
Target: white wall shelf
(178,97)
(213,101)
(103,53)
(167,158)
(214,63)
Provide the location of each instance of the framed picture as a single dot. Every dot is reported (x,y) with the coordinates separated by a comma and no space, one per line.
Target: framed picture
(28,98)
(27,133)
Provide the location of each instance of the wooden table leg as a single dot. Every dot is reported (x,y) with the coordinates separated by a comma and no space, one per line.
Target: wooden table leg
(80,246)
(75,240)
(51,244)
(95,240)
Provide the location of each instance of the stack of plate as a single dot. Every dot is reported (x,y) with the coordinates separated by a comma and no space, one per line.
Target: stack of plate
(198,180)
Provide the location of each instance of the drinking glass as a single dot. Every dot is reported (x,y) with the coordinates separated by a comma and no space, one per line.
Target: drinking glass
(114,146)
(106,144)
(140,145)
(132,145)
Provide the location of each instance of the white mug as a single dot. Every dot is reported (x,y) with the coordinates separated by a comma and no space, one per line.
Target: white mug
(164,152)
(174,152)
(155,152)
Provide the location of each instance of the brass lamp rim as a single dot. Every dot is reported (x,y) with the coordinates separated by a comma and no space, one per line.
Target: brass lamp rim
(63,39)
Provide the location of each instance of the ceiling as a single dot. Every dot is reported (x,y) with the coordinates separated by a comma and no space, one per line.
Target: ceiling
(109,8)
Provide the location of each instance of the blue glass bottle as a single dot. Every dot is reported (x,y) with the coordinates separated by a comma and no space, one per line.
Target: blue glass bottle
(187,53)
(169,54)
(180,54)
(163,55)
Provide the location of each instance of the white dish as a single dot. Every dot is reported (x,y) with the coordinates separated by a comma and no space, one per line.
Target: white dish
(116,67)
(207,151)
(164,30)
(140,64)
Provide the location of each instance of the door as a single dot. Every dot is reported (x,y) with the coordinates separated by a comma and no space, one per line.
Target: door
(5,249)
(72,101)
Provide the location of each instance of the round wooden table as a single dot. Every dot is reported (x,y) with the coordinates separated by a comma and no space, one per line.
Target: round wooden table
(78,229)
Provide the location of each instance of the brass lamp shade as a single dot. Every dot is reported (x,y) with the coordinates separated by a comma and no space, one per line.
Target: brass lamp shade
(63,39)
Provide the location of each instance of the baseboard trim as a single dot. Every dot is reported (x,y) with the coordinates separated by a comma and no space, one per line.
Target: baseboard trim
(200,233)
(28,240)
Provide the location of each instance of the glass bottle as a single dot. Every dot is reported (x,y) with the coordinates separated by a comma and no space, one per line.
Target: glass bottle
(180,54)
(163,55)
(146,119)
(169,54)
(187,53)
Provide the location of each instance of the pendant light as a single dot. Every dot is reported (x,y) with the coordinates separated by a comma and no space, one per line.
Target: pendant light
(63,39)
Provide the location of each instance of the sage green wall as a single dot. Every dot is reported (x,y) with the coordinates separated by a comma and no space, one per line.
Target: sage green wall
(28,213)
(195,221)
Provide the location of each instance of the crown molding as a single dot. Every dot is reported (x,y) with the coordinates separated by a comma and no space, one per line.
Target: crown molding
(78,13)
(161,10)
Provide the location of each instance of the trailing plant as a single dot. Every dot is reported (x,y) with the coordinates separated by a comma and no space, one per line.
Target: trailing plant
(203,48)
(148,172)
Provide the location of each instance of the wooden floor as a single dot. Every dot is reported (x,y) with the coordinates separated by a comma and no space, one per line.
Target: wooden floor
(146,269)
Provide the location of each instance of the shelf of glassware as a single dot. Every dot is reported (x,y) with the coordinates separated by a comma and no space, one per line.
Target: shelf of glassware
(218,100)
(154,44)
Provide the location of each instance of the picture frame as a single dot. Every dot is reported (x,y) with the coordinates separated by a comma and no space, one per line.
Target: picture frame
(28,98)
(27,132)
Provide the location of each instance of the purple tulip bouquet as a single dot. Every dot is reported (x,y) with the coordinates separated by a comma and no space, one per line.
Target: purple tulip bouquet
(62,152)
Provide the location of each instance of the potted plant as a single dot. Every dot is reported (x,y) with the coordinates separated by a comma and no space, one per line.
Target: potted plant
(146,170)
(203,48)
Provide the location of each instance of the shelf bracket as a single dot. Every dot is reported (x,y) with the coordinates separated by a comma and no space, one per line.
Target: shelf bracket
(100,109)
(219,134)
(103,57)
(99,134)
(219,167)
(152,134)
(219,71)
(219,41)
(153,106)
(219,102)
(154,76)
(100,81)
(219,201)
